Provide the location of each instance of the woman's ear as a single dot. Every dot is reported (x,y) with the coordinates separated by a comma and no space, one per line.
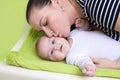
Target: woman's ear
(58,4)
(55,1)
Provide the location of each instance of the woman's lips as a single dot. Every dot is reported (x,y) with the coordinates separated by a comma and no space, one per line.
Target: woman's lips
(59,35)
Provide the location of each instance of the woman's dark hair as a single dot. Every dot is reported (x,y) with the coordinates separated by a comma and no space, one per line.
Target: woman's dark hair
(35,3)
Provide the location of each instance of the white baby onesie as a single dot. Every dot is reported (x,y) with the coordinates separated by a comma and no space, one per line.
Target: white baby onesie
(91,43)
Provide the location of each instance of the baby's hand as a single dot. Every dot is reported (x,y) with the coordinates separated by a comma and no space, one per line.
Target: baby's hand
(89,70)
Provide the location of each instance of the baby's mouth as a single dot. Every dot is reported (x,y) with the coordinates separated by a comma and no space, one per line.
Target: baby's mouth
(61,48)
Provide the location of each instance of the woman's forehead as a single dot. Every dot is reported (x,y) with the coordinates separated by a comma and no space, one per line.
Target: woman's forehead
(34,18)
(37,13)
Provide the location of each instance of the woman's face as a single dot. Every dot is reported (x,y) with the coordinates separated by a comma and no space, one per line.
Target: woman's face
(50,19)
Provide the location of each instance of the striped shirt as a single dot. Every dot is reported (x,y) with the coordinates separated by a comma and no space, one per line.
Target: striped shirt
(103,13)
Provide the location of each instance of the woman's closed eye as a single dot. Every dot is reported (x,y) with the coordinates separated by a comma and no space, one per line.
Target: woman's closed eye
(45,24)
(44,21)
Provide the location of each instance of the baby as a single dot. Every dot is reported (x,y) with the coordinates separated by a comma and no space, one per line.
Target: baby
(79,47)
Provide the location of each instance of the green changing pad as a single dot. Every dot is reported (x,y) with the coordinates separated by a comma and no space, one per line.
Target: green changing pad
(27,57)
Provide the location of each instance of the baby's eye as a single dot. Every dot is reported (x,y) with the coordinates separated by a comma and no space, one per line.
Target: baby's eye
(53,41)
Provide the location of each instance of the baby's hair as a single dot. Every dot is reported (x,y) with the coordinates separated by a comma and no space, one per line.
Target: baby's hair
(35,3)
(37,45)
(38,50)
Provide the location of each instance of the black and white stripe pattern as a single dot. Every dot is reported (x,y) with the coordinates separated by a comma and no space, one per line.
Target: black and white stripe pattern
(103,13)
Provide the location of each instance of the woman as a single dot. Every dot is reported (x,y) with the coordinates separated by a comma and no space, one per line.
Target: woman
(55,17)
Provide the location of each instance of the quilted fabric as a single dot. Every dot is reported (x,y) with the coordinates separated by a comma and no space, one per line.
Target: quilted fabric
(27,57)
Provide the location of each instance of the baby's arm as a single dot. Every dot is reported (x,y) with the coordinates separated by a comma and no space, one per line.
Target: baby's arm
(89,70)
(85,64)
(88,67)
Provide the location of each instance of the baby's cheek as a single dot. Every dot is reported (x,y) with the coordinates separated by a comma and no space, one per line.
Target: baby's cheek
(58,56)
(61,57)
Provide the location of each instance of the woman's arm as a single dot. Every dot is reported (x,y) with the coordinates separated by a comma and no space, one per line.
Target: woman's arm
(117,26)
(117,64)
(106,63)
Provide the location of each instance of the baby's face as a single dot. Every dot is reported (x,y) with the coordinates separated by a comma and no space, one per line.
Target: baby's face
(53,48)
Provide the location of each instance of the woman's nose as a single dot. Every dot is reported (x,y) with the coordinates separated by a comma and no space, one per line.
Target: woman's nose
(49,32)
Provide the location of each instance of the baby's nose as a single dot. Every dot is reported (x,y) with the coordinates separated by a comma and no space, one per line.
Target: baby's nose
(57,47)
